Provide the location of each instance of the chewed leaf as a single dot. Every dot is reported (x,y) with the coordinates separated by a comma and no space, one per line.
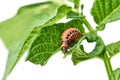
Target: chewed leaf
(78,53)
(105,11)
(113,48)
(48,42)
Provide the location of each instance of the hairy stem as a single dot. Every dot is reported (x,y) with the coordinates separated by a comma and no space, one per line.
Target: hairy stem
(108,67)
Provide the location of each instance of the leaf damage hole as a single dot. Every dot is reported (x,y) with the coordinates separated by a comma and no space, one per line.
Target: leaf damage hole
(88,47)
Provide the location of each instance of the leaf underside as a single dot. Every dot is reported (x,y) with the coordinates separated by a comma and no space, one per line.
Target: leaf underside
(48,42)
(105,11)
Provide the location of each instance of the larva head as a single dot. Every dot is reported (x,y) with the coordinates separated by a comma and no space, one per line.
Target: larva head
(64,47)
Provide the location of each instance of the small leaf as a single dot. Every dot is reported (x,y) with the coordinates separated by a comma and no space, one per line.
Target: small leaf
(117,74)
(48,42)
(15,31)
(105,11)
(113,48)
(74,15)
(78,53)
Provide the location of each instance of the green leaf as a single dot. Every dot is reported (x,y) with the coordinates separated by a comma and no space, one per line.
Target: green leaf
(105,11)
(113,48)
(31,7)
(73,15)
(48,42)
(117,74)
(60,14)
(78,53)
(15,31)
(21,22)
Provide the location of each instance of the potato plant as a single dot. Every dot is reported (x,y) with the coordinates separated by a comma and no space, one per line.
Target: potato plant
(35,28)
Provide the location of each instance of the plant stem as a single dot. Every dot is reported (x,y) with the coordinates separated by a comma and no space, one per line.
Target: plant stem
(108,67)
(89,27)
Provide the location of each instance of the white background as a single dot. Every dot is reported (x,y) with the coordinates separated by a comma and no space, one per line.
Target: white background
(58,68)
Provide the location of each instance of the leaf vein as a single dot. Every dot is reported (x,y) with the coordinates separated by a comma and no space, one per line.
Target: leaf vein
(109,15)
(43,44)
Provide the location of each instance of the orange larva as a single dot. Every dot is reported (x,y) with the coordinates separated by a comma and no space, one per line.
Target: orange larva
(68,36)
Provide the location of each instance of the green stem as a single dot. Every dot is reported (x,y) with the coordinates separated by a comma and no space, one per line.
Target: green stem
(108,67)
(87,24)
(89,27)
